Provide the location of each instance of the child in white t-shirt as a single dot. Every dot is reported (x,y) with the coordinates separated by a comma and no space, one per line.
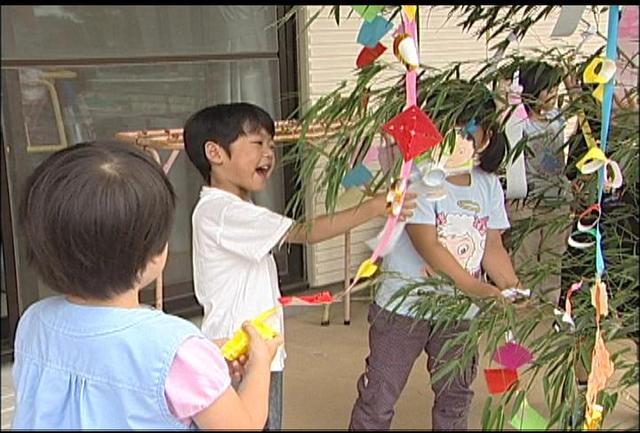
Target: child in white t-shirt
(234,272)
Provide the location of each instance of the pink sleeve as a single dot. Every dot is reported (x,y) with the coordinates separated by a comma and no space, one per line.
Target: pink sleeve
(198,376)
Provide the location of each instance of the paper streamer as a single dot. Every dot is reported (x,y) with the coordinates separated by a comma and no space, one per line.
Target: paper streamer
(512,356)
(514,131)
(369,55)
(320,298)
(527,418)
(410,12)
(567,21)
(369,267)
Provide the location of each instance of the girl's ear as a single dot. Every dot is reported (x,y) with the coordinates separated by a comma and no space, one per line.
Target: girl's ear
(215,153)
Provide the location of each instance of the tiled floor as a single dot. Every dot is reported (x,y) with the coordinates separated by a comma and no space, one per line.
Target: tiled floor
(324,363)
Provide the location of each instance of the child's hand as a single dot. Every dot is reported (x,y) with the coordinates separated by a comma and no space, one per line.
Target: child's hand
(260,350)
(408,206)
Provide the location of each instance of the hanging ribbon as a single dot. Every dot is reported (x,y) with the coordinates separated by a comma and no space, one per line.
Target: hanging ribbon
(514,131)
(601,366)
(369,266)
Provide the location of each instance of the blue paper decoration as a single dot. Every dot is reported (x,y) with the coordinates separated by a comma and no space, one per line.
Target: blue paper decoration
(371,32)
(358,175)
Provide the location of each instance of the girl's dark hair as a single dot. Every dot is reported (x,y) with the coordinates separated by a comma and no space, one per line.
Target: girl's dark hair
(94,215)
(222,124)
(535,77)
(457,102)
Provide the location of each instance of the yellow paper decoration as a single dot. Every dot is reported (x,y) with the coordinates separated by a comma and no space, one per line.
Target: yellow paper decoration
(586,130)
(607,71)
(410,11)
(591,161)
(600,299)
(366,269)
(593,418)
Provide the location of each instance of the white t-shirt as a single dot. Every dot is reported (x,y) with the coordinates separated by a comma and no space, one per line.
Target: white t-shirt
(234,272)
(461,219)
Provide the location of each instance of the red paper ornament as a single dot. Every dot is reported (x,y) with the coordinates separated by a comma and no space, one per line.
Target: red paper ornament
(414,132)
(368,55)
(500,379)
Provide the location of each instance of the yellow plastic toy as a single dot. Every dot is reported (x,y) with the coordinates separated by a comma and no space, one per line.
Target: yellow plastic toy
(239,344)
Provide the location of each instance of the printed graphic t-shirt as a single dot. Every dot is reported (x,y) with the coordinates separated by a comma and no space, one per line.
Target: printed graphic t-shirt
(462,219)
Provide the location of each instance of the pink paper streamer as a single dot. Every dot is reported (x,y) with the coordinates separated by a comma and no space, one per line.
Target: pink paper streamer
(512,355)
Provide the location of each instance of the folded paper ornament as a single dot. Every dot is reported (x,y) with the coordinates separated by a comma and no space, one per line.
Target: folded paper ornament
(371,32)
(369,55)
(413,131)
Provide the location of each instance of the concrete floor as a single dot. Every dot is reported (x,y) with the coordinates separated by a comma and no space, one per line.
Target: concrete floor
(324,363)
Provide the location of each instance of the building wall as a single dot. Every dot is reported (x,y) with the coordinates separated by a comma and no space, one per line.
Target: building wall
(327,54)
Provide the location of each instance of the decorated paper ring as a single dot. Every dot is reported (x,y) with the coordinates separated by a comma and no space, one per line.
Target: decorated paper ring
(587,213)
(591,161)
(607,71)
(616,181)
(405,50)
(579,244)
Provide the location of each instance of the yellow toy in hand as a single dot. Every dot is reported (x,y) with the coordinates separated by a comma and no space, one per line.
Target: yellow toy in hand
(239,344)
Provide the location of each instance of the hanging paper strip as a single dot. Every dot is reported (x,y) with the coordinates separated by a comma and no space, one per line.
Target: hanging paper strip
(369,266)
(320,298)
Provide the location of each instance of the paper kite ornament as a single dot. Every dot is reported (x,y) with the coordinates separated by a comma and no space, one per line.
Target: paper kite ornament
(368,55)
(368,12)
(414,132)
(410,11)
(371,32)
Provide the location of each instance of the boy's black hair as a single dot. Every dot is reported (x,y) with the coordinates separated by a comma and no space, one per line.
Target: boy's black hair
(222,124)
(94,215)
(535,77)
(457,102)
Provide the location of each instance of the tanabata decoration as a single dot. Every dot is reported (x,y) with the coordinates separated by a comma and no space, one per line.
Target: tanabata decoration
(238,345)
(606,73)
(514,131)
(414,132)
(406,51)
(371,32)
(595,159)
(568,20)
(410,12)
(527,418)
(586,227)
(512,355)
(369,13)
(368,55)
(500,380)
(321,298)
(357,176)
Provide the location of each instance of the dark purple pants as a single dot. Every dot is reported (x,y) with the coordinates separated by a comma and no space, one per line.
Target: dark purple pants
(393,348)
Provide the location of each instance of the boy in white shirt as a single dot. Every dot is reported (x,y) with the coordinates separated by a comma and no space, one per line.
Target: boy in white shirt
(234,272)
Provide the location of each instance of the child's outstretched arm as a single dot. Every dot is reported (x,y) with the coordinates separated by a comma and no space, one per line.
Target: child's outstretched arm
(328,226)
(248,408)
(425,241)
(497,263)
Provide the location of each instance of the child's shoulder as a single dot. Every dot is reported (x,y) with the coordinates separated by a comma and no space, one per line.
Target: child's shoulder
(483,179)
